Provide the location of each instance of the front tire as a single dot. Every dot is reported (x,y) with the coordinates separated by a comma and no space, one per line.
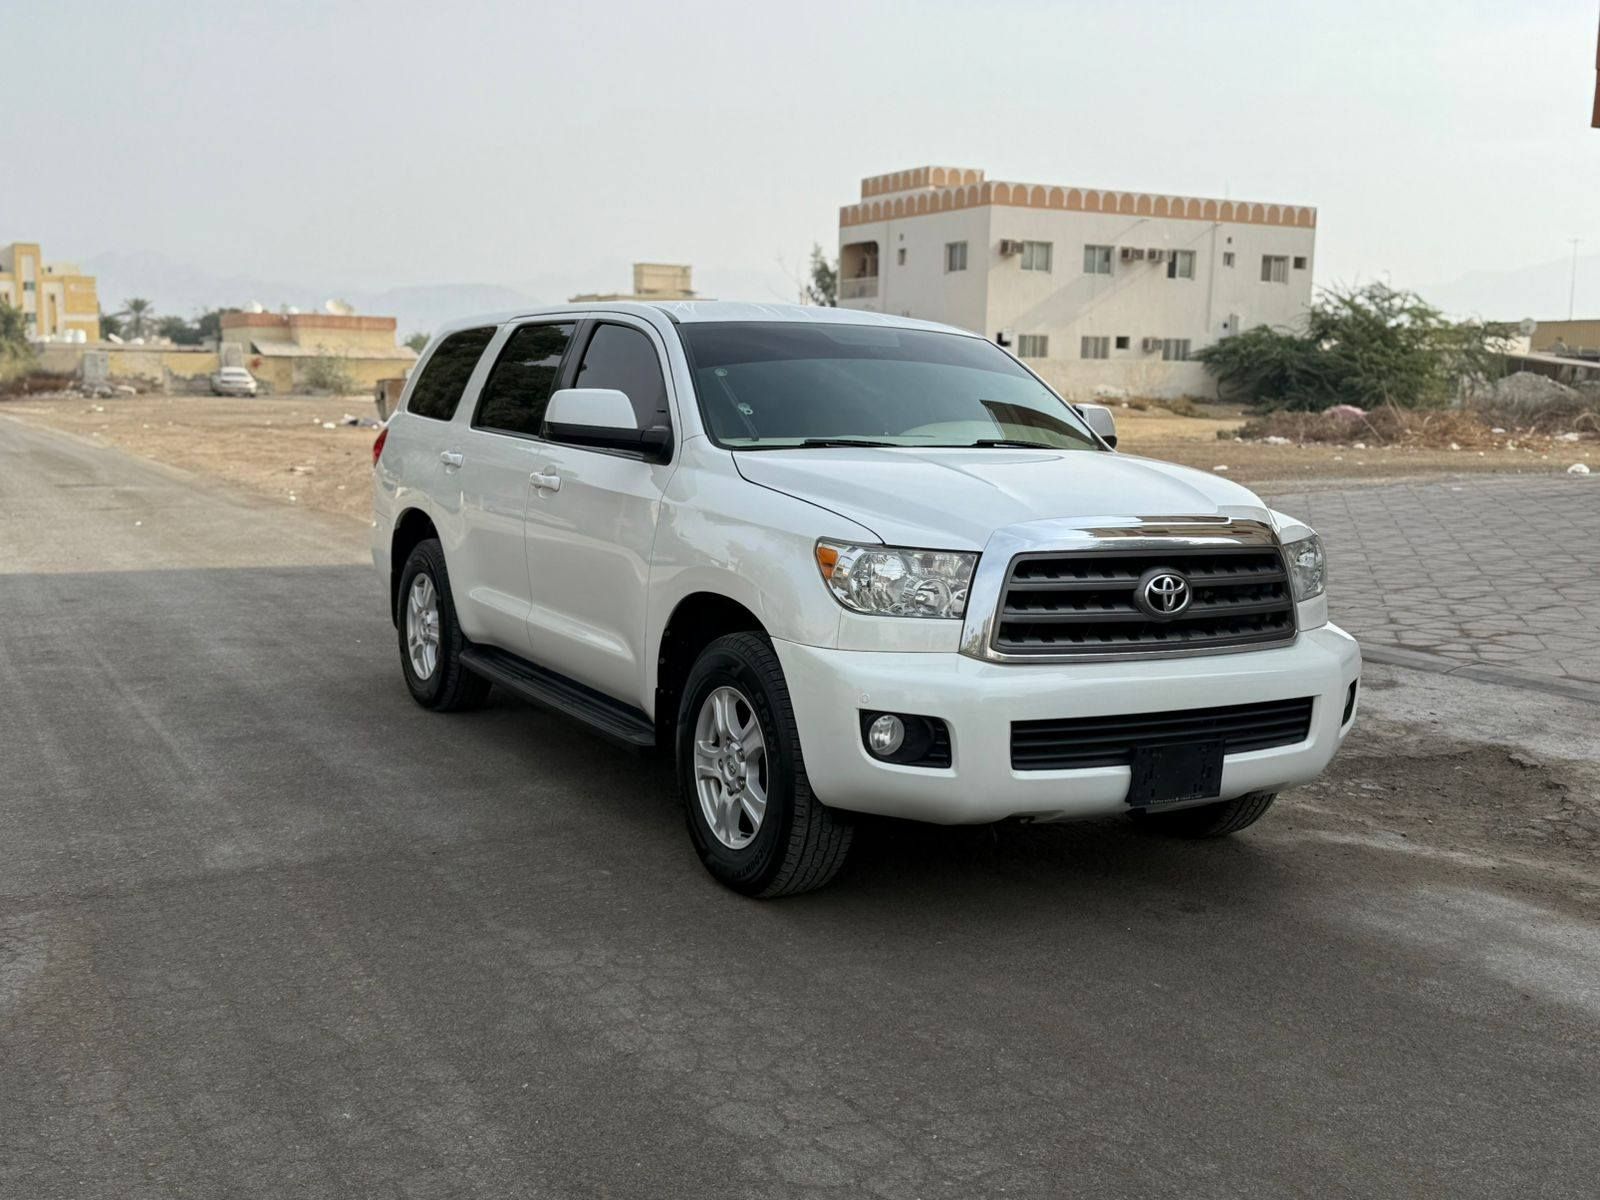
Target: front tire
(431,640)
(751,813)
(1209,820)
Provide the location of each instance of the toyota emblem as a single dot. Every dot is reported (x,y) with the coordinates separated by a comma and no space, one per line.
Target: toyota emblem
(1163,593)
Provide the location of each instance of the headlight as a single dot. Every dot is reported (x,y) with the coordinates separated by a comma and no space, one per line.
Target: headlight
(888,582)
(1308,570)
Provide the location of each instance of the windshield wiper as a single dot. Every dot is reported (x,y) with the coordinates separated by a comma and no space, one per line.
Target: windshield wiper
(1007,443)
(820,443)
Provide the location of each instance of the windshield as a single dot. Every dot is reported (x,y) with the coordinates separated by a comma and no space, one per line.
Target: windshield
(778,385)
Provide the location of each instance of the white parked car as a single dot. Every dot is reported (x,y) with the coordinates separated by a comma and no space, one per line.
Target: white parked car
(233,381)
(842,563)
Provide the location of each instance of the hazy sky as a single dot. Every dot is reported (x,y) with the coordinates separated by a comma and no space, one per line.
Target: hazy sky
(367,145)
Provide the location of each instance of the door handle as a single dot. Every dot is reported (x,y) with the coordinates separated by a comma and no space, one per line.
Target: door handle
(548,480)
(451,458)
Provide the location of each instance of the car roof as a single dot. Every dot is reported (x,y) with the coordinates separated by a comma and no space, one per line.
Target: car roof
(690,312)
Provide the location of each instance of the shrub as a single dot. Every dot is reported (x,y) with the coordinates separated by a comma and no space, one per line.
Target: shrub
(327,373)
(1365,346)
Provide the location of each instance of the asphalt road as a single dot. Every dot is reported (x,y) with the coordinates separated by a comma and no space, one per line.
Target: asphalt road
(269,930)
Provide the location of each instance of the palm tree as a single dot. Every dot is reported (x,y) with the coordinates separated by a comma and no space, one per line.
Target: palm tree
(138,313)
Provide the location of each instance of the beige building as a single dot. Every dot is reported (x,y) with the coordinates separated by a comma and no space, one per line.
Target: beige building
(1094,288)
(1565,337)
(286,351)
(57,300)
(651,281)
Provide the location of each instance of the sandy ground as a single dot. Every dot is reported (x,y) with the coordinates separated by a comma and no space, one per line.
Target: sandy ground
(279,446)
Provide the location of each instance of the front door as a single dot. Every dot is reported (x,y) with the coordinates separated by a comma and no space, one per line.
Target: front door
(592,522)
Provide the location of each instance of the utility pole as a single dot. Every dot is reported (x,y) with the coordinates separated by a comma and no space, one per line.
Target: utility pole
(1572,285)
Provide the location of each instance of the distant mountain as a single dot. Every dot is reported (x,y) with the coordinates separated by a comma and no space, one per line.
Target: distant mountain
(183,289)
(1538,291)
(427,306)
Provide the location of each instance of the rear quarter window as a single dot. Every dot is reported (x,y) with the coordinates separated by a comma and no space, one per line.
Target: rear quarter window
(438,389)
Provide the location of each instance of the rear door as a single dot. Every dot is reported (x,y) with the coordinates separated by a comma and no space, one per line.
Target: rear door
(590,535)
(498,451)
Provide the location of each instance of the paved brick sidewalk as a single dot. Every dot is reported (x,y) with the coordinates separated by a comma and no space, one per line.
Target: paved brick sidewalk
(1500,576)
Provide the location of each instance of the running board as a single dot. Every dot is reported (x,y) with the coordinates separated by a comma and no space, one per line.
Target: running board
(600,712)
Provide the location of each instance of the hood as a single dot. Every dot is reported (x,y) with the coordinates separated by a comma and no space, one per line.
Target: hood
(954,499)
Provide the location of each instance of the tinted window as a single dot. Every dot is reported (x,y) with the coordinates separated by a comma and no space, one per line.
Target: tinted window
(438,389)
(625,359)
(519,386)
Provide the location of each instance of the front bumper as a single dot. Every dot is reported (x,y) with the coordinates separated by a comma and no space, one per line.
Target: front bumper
(980,700)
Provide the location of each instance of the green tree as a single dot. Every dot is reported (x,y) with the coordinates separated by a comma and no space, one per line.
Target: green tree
(110,324)
(16,352)
(140,316)
(417,341)
(823,286)
(209,324)
(179,331)
(1364,346)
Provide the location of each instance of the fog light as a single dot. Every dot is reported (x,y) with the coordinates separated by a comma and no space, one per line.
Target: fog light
(886,735)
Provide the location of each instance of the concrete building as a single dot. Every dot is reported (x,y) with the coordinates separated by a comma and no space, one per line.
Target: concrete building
(285,350)
(57,300)
(1094,288)
(1566,337)
(651,281)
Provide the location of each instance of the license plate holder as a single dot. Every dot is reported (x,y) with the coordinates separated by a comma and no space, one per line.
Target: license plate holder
(1170,774)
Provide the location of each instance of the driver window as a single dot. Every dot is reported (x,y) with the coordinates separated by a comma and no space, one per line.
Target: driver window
(624,358)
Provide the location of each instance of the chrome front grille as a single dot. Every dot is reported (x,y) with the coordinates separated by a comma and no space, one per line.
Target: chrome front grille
(1086,601)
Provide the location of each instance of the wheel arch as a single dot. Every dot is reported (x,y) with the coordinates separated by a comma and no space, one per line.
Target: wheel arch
(413,526)
(697,620)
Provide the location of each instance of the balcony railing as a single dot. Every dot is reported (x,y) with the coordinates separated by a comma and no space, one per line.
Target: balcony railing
(863,287)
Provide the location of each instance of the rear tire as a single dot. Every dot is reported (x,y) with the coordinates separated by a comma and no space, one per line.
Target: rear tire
(431,640)
(751,813)
(1208,820)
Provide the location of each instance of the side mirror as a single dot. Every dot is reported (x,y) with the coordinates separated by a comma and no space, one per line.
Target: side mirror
(1098,418)
(602,418)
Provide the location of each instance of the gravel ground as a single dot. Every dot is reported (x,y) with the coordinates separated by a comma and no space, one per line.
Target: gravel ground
(277,446)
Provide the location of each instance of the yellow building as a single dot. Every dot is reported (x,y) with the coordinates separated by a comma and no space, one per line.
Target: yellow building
(57,300)
(293,352)
(651,281)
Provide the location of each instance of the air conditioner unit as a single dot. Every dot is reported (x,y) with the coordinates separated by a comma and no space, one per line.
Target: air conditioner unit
(1157,255)
(1008,247)
(1150,344)
(1132,253)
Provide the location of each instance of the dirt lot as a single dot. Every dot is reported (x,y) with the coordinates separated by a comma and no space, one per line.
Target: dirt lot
(280,446)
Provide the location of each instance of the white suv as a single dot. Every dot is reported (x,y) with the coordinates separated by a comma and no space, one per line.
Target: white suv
(845,563)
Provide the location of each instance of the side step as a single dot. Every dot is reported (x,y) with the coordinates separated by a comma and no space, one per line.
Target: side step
(622,722)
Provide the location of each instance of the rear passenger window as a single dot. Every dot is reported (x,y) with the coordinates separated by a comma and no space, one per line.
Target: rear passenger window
(519,386)
(438,388)
(625,359)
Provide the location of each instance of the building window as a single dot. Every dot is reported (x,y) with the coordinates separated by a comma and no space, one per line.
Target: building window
(1175,350)
(1122,342)
(1033,345)
(900,256)
(1227,258)
(1097,260)
(1036,256)
(1181,265)
(1299,262)
(1274,268)
(1096,347)
(955,256)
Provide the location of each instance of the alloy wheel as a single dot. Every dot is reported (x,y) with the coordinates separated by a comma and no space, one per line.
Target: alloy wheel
(730,767)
